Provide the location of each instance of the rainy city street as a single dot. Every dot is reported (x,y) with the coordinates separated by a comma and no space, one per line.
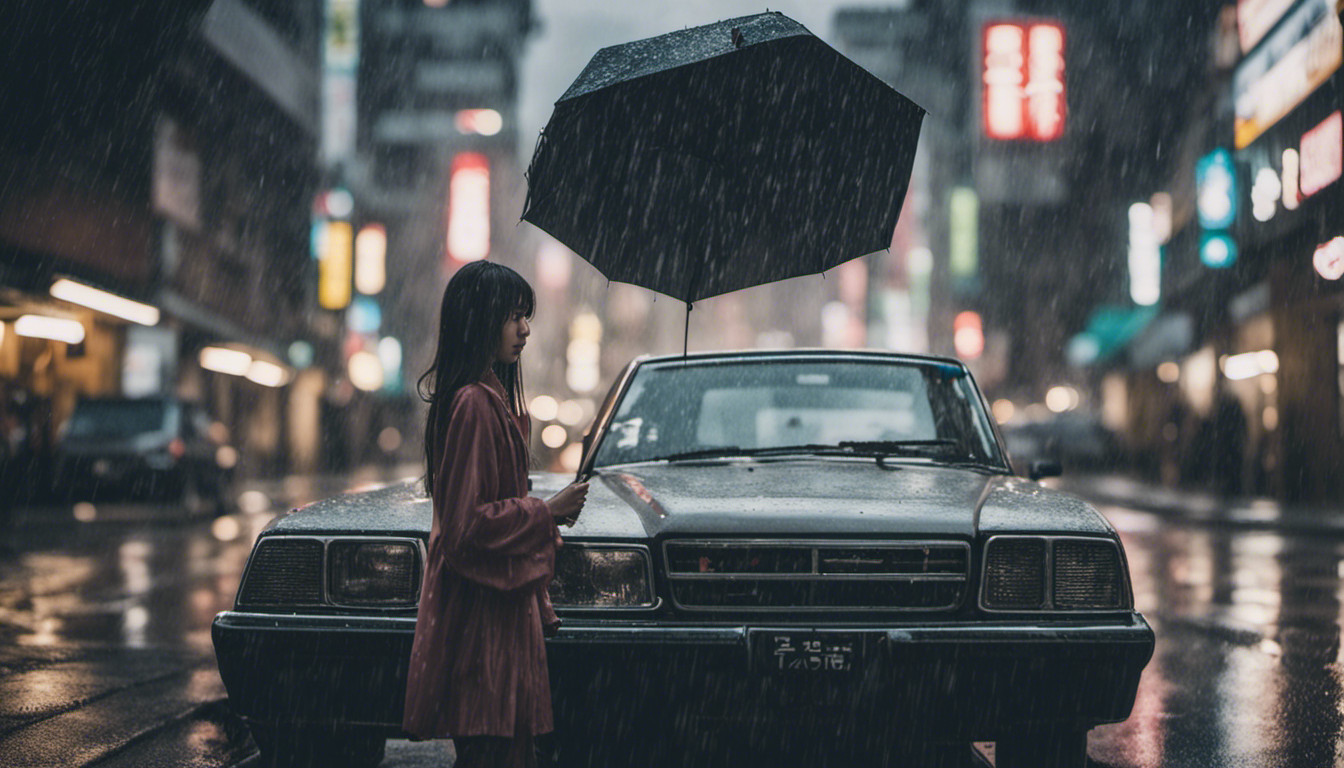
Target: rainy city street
(884,383)
(107,659)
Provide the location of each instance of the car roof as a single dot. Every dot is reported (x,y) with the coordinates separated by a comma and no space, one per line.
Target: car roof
(805,352)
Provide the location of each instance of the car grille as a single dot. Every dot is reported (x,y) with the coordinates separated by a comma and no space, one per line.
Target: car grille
(817,576)
(284,571)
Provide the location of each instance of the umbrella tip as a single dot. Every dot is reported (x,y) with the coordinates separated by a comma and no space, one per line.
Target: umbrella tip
(738,39)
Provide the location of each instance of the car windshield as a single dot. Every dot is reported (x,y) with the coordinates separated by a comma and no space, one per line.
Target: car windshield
(119,418)
(927,411)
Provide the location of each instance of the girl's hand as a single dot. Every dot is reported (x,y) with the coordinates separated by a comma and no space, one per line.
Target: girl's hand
(566,505)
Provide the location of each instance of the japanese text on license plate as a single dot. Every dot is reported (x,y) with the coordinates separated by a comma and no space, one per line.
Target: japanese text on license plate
(812,653)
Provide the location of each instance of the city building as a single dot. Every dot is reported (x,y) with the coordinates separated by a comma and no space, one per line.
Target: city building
(154,206)
(434,176)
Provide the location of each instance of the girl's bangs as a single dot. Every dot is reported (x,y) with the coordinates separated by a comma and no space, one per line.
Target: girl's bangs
(524,297)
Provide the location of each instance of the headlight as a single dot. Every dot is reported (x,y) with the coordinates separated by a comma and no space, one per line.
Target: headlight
(1015,574)
(1087,575)
(384,574)
(602,577)
(1041,573)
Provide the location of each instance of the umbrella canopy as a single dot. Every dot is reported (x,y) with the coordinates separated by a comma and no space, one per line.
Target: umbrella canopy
(721,157)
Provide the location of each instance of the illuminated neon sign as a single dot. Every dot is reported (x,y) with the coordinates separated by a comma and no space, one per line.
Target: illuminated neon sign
(1322,156)
(1023,80)
(468,228)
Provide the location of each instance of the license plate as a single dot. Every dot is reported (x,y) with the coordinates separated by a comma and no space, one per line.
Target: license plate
(786,652)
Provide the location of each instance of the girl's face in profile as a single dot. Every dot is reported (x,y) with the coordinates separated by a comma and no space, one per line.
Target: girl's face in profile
(512,337)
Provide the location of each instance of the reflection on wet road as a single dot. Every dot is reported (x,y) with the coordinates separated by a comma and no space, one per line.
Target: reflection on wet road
(1246,669)
(105,612)
(124,584)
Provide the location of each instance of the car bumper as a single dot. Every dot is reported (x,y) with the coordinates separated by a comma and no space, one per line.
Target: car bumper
(291,669)
(949,681)
(956,680)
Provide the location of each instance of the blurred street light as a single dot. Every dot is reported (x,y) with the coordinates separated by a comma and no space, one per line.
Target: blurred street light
(371,259)
(1217,250)
(1329,259)
(1250,364)
(366,371)
(389,355)
(334,266)
(584,353)
(301,354)
(486,122)
(554,436)
(968,335)
(468,226)
(1061,399)
(267,374)
(570,413)
(389,440)
(544,407)
(102,301)
(570,457)
(338,203)
(1145,259)
(52,328)
(222,360)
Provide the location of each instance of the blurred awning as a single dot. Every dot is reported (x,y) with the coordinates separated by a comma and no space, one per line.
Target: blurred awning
(223,329)
(1165,338)
(1108,330)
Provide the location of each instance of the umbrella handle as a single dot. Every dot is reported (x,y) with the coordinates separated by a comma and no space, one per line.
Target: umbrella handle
(686,331)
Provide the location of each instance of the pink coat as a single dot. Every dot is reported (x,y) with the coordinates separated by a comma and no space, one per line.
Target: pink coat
(478,663)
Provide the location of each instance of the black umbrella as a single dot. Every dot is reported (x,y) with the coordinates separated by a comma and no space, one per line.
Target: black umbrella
(721,157)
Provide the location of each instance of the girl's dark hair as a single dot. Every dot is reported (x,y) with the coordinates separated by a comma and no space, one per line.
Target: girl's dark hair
(476,304)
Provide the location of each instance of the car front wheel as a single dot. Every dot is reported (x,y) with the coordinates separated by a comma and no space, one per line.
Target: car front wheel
(295,747)
(1046,749)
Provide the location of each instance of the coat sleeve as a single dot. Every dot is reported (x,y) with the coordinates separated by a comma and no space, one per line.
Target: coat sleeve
(502,543)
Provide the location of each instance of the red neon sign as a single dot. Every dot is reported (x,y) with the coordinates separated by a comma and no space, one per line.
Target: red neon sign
(1023,78)
(468,226)
(1322,155)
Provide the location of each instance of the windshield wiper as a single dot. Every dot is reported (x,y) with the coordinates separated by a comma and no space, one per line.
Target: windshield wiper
(703,453)
(877,448)
(732,450)
(894,447)
(883,449)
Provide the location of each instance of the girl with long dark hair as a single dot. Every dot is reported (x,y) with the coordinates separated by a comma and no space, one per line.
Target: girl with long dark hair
(478,662)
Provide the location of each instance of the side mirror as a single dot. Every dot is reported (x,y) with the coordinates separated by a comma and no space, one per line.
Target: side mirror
(1044,468)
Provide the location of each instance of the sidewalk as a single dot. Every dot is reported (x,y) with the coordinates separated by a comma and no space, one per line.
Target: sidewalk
(1203,507)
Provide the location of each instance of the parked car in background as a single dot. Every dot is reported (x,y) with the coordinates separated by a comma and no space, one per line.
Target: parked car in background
(1072,440)
(781,551)
(141,449)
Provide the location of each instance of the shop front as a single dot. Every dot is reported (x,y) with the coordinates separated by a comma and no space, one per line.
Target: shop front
(1284,363)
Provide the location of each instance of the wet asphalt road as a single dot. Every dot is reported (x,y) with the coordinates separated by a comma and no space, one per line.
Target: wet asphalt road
(105,655)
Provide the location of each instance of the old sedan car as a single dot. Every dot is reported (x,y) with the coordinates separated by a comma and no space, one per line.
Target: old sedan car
(781,551)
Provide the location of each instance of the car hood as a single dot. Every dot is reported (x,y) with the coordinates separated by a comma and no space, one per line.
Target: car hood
(826,497)
(808,497)
(398,508)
